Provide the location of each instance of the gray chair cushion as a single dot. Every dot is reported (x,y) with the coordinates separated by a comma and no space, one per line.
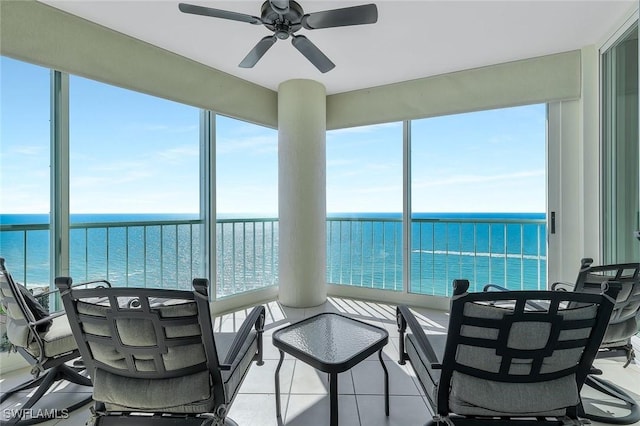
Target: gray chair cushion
(233,378)
(137,333)
(59,339)
(185,394)
(620,333)
(154,350)
(18,331)
(175,395)
(476,396)
(428,376)
(473,396)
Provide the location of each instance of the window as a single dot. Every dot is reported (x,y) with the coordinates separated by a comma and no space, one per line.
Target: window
(134,187)
(621,151)
(364,206)
(478,200)
(24,171)
(247,206)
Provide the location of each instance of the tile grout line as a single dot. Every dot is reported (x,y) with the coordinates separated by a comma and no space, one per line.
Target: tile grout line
(286,408)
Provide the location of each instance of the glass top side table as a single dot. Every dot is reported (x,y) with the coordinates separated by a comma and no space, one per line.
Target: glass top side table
(331,343)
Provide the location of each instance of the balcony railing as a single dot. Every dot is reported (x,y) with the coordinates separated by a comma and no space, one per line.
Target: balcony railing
(367,252)
(361,251)
(137,254)
(247,255)
(128,254)
(508,251)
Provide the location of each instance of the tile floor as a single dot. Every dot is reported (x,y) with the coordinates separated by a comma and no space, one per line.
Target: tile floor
(304,390)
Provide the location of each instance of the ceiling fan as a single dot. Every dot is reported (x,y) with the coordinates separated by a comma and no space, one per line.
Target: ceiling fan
(285,18)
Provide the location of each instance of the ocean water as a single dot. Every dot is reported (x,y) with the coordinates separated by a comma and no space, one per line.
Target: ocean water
(501,248)
(163,250)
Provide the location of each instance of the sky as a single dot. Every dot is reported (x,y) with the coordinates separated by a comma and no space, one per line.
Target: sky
(134,153)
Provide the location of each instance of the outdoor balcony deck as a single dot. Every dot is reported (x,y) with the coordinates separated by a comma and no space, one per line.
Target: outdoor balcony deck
(305,399)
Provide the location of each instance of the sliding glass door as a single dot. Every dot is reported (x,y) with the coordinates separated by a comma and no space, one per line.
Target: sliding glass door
(621,157)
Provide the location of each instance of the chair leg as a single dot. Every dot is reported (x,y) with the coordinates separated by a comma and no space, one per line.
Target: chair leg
(44,383)
(132,419)
(616,392)
(72,374)
(24,386)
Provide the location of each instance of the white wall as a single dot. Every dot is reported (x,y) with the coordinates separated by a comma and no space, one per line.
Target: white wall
(573,176)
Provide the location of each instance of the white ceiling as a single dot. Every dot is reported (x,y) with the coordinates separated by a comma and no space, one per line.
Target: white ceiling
(412,39)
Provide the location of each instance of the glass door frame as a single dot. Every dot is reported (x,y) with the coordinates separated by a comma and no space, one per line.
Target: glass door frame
(609,188)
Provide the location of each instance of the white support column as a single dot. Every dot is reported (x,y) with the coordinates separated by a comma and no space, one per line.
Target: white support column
(302,193)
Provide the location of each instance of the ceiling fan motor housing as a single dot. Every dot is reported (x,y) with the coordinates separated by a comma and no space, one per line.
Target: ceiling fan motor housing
(282,25)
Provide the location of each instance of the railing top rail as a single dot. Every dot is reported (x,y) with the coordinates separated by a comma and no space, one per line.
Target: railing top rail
(504,220)
(135,223)
(249,220)
(363,219)
(24,227)
(45,226)
(441,220)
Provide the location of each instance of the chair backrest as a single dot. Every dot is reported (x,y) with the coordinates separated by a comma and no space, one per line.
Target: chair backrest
(625,319)
(130,337)
(18,314)
(504,358)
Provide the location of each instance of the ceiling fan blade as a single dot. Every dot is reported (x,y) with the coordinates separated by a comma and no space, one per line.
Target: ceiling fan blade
(312,53)
(281,7)
(356,15)
(218,13)
(258,51)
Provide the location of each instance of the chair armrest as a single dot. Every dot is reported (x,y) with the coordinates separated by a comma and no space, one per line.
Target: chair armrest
(104,283)
(494,287)
(405,318)
(101,284)
(562,286)
(255,318)
(48,318)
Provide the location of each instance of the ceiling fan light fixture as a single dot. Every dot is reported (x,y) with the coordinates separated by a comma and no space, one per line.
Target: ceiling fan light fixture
(282,30)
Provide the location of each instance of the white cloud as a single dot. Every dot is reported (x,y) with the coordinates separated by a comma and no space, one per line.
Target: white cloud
(159,127)
(178,154)
(340,162)
(30,150)
(476,179)
(24,199)
(248,145)
(362,129)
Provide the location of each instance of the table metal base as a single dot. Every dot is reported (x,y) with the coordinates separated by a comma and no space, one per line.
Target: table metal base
(333,391)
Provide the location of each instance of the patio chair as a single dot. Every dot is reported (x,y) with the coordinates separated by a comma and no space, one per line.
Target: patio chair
(625,319)
(623,325)
(46,342)
(502,361)
(153,356)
